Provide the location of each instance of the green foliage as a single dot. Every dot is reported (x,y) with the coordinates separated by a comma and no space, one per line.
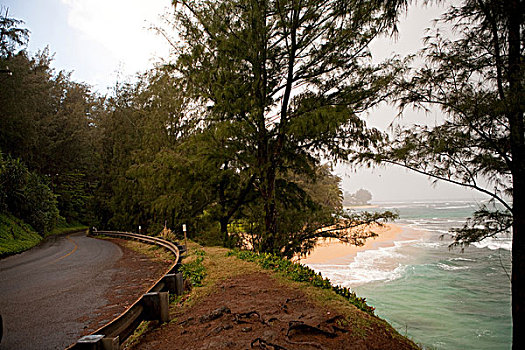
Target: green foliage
(46,121)
(25,194)
(13,176)
(301,273)
(194,271)
(15,235)
(39,207)
(11,35)
(471,77)
(360,197)
(485,222)
(475,77)
(64,228)
(240,59)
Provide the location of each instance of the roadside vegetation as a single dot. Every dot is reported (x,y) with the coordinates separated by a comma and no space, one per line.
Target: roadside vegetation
(16,236)
(241,125)
(300,273)
(152,251)
(65,228)
(46,153)
(209,268)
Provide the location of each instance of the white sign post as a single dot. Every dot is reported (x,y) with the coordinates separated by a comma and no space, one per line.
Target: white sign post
(185,238)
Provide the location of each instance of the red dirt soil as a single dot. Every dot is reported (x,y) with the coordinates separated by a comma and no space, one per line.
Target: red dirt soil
(134,274)
(253,311)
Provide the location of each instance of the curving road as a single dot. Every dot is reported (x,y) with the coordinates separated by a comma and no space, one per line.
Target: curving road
(48,293)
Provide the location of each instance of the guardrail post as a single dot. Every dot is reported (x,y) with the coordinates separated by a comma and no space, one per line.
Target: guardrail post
(156,306)
(111,343)
(170,283)
(97,342)
(90,342)
(179,283)
(182,247)
(174,283)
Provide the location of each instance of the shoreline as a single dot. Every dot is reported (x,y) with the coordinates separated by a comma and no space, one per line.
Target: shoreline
(330,249)
(364,206)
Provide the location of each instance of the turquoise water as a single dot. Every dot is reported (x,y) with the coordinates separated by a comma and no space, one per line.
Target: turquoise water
(441,298)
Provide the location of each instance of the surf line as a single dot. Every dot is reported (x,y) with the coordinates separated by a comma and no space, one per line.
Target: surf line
(68,254)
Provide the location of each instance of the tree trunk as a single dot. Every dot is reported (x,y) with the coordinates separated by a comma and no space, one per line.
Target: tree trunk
(224,230)
(517,145)
(266,170)
(270,218)
(518,267)
(223,219)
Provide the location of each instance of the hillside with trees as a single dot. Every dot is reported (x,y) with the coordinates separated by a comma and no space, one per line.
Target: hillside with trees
(45,139)
(360,197)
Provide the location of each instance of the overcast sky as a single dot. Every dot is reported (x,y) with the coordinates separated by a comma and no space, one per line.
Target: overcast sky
(101,41)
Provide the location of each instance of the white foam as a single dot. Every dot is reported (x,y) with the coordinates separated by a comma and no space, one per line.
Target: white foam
(494,243)
(382,264)
(453,207)
(461,259)
(432,245)
(453,221)
(450,267)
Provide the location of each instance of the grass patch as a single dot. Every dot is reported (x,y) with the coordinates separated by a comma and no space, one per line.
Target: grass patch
(65,228)
(16,236)
(300,273)
(194,270)
(152,251)
(143,328)
(206,267)
(215,264)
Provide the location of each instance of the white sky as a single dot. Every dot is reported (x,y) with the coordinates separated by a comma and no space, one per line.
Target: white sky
(96,39)
(105,40)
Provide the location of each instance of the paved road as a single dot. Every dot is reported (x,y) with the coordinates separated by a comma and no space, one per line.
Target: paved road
(48,293)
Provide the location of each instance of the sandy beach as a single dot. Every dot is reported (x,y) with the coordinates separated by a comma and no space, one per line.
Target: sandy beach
(330,249)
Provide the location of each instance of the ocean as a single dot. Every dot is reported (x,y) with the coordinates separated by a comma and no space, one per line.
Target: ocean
(439,297)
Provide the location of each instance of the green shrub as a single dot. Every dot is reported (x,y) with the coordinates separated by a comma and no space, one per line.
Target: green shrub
(26,195)
(195,271)
(64,228)
(16,236)
(301,273)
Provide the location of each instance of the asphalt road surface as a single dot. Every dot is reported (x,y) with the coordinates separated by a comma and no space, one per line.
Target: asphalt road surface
(48,293)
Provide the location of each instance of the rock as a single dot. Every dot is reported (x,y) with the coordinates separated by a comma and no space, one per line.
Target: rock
(215,314)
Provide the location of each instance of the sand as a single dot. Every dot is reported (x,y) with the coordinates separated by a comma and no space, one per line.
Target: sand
(330,249)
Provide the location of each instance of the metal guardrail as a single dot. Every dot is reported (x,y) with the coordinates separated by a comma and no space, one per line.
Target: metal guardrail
(154,305)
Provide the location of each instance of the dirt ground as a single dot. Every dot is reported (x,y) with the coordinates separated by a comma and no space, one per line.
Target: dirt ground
(255,311)
(134,274)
